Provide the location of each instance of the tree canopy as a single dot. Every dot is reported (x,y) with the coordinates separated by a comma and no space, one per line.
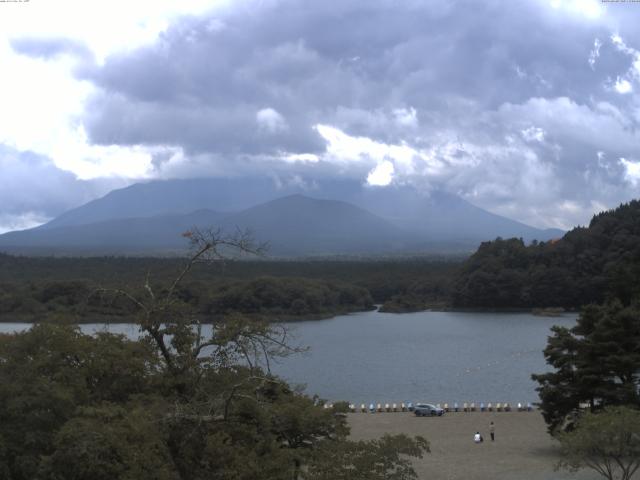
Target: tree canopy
(607,442)
(588,265)
(597,362)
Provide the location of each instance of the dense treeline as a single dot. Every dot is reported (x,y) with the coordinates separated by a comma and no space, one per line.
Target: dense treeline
(588,265)
(67,288)
(292,296)
(383,278)
(271,297)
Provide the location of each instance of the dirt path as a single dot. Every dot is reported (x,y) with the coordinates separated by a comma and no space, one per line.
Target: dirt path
(522,450)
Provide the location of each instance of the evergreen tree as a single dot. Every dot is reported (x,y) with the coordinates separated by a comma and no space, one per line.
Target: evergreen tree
(597,362)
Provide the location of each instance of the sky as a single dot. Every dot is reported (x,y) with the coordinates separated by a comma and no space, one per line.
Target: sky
(528,108)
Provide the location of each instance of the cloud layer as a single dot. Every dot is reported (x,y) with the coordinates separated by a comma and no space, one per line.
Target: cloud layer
(530,109)
(36,190)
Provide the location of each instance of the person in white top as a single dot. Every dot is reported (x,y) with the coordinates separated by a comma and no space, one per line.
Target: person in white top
(477,438)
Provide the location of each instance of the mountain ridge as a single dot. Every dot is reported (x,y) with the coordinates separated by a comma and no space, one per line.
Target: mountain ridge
(402,218)
(333,227)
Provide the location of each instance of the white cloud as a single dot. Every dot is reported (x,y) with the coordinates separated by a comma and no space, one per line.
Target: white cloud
(302,157)
(271,121)
(42,100)
(632,171)
(486,172)
(10,222)
(617,40)
(344,148)
(590,9)
(532,134)
(382,174)
(595,53)
(520,72)
(105,27)
(623,86)
(621,45)
(406,117)
(602,126)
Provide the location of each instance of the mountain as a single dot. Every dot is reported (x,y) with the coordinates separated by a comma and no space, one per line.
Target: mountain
(299,225)
(159,233)
(394,219)
(293,225)
(443,217)
(168,197)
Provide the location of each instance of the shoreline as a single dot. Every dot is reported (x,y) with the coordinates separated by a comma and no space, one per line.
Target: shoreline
(310,318)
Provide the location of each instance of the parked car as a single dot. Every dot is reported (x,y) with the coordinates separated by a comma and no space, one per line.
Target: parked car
(427,409)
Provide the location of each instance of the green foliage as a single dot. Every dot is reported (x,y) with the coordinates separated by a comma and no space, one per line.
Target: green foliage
(174,404)
(49,372)
(290,296)
(63,289)
(596,362)
(607,442)
(588,265)
(387,458)
(405,303)
(108,442)
(80,407)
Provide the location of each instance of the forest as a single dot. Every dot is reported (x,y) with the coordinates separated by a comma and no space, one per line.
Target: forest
(41,288)
(588,265)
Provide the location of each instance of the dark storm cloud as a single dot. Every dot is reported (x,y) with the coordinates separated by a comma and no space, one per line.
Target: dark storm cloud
(510,104)
(202,83)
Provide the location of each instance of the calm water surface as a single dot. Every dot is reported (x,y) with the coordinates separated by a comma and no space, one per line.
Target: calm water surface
(427,356)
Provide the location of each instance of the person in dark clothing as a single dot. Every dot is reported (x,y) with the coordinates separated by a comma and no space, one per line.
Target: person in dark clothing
(492,431)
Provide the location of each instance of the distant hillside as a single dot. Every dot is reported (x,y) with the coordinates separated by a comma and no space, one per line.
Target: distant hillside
(586,265)
(169,197)
(441,216)
(299,225)
(129,235)
(292,226)
(414,221)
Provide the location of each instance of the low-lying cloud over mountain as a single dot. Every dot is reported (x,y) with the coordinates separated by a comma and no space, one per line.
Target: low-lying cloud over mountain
(528,109)
(343,218)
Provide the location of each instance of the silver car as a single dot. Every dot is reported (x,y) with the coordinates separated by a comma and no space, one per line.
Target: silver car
(427,410)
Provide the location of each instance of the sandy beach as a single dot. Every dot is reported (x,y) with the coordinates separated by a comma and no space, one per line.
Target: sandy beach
(522,449)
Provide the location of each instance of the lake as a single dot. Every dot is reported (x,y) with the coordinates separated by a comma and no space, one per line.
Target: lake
(427,356)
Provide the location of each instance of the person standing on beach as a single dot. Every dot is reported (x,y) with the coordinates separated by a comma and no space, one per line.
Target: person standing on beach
(492,431)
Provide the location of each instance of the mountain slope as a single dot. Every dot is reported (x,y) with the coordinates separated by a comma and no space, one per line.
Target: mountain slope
(441,216)
(438,217)
(301,225)
(169,197)
(293,225)
(128,235)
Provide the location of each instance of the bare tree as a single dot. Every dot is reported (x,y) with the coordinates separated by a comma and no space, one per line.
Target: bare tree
(176,330)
